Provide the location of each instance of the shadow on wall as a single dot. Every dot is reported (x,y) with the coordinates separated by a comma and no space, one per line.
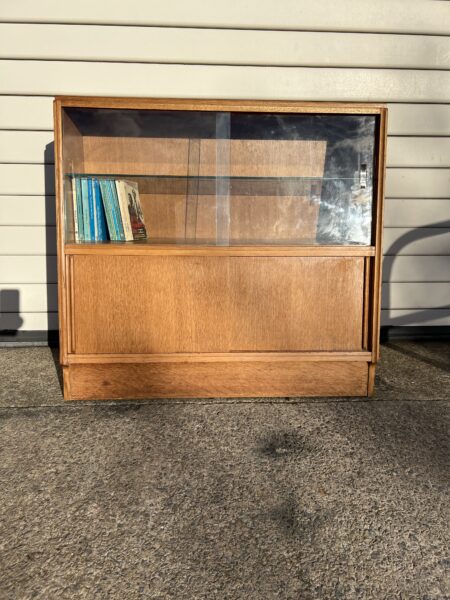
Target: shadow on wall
(10,319)
(50,237)
(420,315)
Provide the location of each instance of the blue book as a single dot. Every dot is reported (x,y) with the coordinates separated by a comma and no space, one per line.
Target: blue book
(112,209)
(85,202)
(107,208)
(79,201)
(102,233)
(91,210)
(116,211)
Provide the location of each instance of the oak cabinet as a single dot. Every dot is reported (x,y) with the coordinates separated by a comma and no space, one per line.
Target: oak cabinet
(260,274)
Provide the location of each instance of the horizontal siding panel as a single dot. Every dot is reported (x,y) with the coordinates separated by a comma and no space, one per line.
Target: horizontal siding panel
(27,240)
(418,183)
(33,180)
(28,269)
(27,147)
(411,318)
(415,295)
(206,81)
(38,147)
(37,321)
(26,112)
(419,119)
(415,213)
(29,297)
(422,241)
(27,210)
(222,46)
(414,16)
(35,113)
(418,152)
(416,268)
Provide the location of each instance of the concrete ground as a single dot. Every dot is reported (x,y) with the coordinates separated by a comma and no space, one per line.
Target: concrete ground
(255,499)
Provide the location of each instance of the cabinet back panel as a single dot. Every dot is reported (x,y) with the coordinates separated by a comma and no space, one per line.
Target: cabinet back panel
(194,218)
(159,304)
(183,156)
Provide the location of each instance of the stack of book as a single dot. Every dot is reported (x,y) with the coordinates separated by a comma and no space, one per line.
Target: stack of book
(106,209)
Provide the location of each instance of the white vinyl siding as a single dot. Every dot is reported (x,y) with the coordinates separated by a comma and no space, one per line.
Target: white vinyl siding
(355,50)
(397,16)
(223,46)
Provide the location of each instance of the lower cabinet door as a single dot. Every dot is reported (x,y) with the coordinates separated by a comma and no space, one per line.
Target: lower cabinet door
(167,304)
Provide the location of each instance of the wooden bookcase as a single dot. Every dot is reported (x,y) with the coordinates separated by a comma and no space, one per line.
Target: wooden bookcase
(261,272)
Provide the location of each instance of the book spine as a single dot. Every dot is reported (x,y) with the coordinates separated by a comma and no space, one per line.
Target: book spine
(91,211)
(107,207)
(113,210)
(134,210)
(100,213)
(75,210)
(95,215)
(120,232)
(85,200)
(79,209)
(123,204)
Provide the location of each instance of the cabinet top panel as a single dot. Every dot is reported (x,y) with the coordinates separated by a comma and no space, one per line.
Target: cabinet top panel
(221,105)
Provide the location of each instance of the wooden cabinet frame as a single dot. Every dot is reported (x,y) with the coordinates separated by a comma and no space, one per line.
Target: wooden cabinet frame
(222,369)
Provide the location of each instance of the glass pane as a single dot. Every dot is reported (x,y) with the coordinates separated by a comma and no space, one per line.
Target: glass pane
(231,178)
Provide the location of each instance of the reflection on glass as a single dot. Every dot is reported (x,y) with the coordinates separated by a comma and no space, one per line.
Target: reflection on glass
(234,178)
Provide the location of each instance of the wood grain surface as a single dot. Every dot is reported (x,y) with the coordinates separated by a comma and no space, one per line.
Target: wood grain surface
(188,357)
(131,304)
(173,249)
(241,105)
(162,319)
(212,380)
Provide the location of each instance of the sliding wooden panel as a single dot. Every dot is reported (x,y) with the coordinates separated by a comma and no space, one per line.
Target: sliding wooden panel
(216,304)
(297,304)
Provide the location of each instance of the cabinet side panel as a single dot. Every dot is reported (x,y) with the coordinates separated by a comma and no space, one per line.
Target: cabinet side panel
(378,239)
(60,232)
(159,304)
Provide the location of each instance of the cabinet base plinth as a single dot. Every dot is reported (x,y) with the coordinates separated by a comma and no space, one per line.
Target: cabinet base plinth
(289,378)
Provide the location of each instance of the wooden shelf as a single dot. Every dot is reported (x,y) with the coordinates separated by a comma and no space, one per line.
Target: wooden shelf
(151,249)
(221,357)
